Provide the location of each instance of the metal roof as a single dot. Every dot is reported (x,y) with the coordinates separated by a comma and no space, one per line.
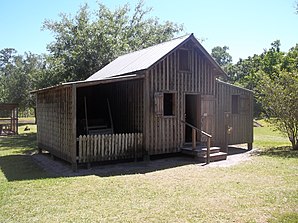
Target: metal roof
(138,60)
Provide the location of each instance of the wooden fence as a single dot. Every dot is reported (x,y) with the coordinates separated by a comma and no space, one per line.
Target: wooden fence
(94,148)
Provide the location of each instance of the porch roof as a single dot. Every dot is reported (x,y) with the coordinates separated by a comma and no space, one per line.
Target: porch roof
(86,83)
(8,106)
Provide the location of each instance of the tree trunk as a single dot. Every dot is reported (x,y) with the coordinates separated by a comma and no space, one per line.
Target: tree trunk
(295,146)
(294,143)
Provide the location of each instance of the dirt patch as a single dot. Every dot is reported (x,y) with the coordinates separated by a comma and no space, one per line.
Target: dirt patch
(59,168)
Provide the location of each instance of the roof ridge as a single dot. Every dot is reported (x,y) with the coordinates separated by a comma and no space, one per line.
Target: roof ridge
(147,48)
(179,37)
(140,59)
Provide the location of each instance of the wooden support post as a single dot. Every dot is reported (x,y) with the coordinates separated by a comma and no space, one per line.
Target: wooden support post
(208,150)
(17,121)
(194,141)
(146,121)
(73,145)
(249,146)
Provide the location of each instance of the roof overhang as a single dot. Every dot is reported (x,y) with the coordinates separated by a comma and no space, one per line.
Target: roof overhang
(86,83)
(8,106)
(234,86)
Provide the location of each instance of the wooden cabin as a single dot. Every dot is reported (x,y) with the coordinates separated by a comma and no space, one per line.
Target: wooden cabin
(162,99)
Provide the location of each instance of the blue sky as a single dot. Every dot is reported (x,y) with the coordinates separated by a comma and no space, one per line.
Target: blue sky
(245,26)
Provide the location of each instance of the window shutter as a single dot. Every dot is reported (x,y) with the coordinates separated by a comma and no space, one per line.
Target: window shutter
(244,104)
(158,103)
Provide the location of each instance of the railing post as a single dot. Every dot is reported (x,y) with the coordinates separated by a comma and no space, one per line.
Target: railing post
(194,139)
(208,150)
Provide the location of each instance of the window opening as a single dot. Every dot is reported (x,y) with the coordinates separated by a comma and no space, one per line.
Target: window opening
(184,60)
(168,104)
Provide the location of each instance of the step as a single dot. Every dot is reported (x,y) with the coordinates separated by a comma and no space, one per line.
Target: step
(199,150)
(200,153)
(214,157)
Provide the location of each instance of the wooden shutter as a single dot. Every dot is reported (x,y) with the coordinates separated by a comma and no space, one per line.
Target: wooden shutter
(158,103)
(244,104)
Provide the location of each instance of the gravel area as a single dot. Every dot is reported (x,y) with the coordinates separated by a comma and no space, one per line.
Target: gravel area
(59,168)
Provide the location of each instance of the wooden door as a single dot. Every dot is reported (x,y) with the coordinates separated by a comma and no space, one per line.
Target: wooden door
(208,115)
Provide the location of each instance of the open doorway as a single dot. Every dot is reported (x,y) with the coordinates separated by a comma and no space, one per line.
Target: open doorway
(192,114)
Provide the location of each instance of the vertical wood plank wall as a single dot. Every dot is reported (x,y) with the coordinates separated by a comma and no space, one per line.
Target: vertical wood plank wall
(166,134)
(242,123)
(54,121)
(126,100)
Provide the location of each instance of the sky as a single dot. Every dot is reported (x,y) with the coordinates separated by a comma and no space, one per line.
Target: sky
(247,27)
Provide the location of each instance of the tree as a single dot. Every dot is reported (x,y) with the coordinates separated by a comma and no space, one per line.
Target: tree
(18,76)
(278,93)
(221,56)
(90,40)
(279,98)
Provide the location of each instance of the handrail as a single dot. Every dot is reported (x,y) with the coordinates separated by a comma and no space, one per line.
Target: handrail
(194,129)
(199,130)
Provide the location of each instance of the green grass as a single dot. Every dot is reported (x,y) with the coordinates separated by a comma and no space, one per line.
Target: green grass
(268,137)
(263,189)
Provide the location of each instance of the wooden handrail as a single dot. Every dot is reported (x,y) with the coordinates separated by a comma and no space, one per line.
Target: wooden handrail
(194,129)
(199,130)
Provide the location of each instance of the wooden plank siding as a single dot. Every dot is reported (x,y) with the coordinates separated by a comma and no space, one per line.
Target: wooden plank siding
(54,121)
(242,122)
(126,100)
(165,134)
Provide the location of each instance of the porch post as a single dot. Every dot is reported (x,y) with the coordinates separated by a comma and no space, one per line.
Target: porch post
(249,146)
(74,128)
(146,120)
(17,119)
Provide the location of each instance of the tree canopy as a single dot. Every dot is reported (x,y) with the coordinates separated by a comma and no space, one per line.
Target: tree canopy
(273,76)
(83,44)
(221,55)
(86,42)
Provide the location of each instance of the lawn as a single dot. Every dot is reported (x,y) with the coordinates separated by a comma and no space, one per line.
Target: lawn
(264,189)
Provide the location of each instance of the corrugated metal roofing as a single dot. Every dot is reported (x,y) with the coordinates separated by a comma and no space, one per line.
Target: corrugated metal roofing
(138,60)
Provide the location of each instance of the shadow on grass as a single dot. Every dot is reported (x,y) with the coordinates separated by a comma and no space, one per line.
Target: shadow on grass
(21,167)
(15,161)
(60,168)
(281,152)
(125,167)
(25,142)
